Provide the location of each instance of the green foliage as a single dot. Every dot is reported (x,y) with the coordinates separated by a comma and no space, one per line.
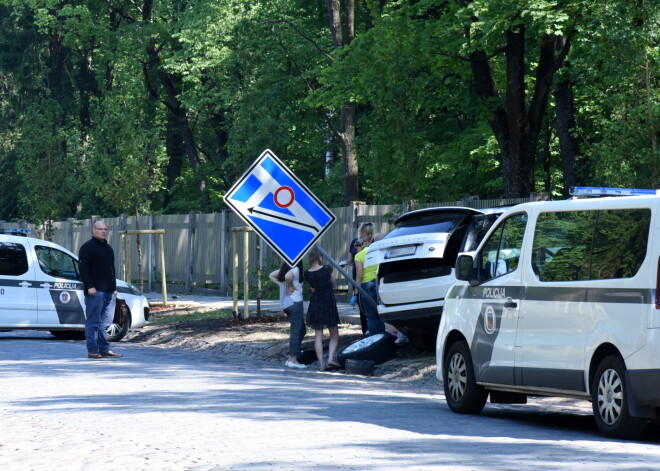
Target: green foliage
(97,97)
(46,160)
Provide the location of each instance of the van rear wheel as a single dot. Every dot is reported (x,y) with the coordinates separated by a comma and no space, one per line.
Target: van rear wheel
(609,398)
(462,393)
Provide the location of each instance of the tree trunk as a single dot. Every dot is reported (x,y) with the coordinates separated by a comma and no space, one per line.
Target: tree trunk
(565,124)
(347,132)
(516,126)
(172,102)
(347,143)
(513,166)
(175,153)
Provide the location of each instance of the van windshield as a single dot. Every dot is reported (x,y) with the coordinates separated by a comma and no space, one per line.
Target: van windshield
(432,221)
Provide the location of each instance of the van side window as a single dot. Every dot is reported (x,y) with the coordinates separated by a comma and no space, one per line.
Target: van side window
(56,263)
(590,245)
(620,243)
(501,252)
(562,243)
(13,259)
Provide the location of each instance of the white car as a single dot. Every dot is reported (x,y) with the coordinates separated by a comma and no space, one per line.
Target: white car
(40,289)
(416,265)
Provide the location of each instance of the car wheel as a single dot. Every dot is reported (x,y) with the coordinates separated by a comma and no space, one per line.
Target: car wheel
(68,334)
(117,331)
(462,392)
(378,348)
(609,397)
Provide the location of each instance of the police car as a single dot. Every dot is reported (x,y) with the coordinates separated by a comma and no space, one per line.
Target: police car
(561,298)
(40,289)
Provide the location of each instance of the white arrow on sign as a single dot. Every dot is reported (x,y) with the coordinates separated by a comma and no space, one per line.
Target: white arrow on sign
(278,206)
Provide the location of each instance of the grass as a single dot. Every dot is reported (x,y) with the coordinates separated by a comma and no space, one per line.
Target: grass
(189,317)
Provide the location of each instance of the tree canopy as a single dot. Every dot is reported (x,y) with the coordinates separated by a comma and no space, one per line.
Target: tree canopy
(160,105)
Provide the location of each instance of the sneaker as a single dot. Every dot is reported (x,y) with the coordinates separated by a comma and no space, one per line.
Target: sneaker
(290,364)
(401,339)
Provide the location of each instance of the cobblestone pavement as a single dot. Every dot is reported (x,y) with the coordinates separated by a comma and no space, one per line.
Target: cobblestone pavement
(177,409)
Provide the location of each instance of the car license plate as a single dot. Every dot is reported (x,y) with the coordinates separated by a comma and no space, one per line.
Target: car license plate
(400,251)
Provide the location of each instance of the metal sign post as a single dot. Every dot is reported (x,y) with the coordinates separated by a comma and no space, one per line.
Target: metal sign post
(349,278)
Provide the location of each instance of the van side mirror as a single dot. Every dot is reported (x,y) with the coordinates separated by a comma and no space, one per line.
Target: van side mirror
(465,268)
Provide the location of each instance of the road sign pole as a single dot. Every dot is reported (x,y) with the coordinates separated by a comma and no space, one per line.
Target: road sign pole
(349,278)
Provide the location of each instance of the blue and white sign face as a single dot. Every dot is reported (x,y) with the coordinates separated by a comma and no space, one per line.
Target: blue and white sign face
(271,200)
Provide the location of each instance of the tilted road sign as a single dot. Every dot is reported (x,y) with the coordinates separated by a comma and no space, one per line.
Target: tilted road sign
(278,206)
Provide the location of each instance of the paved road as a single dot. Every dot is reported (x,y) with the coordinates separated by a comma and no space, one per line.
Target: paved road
(169,409)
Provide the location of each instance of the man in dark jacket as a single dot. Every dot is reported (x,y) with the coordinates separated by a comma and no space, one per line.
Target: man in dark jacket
(97,271)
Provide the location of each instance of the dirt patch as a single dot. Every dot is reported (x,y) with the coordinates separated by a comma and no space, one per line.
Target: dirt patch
(266,338)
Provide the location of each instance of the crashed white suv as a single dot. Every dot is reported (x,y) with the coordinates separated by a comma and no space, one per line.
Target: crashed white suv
(40,289)
(416,265)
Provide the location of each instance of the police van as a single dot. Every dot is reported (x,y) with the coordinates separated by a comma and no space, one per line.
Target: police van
(40,289)
(560,299)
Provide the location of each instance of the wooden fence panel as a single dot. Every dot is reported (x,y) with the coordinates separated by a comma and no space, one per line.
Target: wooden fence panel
(199,247)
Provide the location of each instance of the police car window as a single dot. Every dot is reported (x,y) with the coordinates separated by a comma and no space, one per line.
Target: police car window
(590,245)
(501,253)
(13,259)
(56,263)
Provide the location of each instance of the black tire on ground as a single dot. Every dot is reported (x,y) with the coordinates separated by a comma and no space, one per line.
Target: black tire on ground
(117,331)
(462,392)
(306,357)
(68,334)
(609,398)
(378,348)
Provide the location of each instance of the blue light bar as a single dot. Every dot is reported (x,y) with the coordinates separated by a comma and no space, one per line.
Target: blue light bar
(603,191)
(15,231)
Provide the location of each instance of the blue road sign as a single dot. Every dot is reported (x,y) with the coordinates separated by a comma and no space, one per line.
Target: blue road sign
(277,205)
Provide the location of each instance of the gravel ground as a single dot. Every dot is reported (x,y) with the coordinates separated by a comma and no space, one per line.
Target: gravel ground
(266,337)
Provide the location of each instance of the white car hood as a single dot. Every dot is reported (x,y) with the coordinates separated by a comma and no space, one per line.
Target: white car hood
(427,245)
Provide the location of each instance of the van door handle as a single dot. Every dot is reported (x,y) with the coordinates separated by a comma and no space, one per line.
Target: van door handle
(510,304)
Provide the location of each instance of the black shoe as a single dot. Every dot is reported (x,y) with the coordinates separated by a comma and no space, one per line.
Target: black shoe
(95,355)
(111,354)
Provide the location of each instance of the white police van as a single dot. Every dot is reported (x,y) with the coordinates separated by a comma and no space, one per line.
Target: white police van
(40,289)
(560,299)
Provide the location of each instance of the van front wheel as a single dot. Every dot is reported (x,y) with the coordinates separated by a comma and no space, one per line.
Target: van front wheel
(462,392)
(610,402)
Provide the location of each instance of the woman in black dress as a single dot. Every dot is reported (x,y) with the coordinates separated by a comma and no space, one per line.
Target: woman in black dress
(322,311)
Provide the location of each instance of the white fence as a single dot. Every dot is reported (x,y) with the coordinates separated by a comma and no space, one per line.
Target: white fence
(199,247)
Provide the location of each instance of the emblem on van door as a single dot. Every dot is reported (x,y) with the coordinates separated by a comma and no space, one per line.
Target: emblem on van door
(485,336)
(490,320)
(65,297)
